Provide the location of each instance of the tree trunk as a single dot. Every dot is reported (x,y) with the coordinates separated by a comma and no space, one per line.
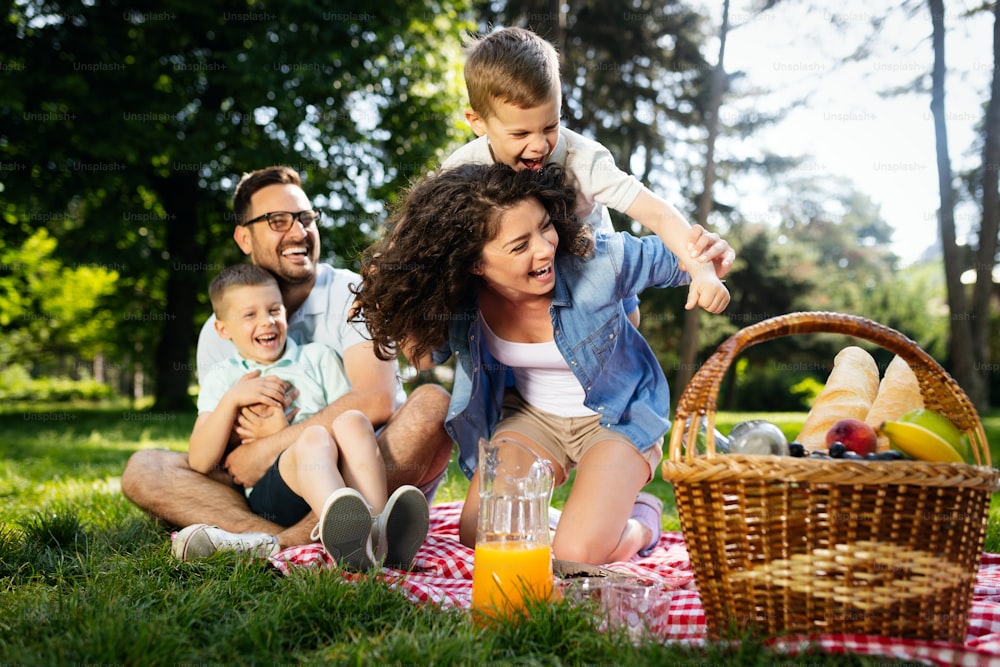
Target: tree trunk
(179,194)
(982,294)
(960,348)
(689,336)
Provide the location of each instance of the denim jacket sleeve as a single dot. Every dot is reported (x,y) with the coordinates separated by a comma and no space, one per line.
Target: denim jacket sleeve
(620,374)
(477,393)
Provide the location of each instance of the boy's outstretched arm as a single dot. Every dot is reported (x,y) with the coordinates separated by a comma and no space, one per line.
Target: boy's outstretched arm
(664,220)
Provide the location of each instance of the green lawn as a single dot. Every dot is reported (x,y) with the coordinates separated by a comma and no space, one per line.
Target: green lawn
(88,579)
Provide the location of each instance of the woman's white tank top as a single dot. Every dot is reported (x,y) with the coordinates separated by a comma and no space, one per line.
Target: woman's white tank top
(541,375)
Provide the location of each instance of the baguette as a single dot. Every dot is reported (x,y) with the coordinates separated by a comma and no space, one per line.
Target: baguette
(898,393)
(849,393)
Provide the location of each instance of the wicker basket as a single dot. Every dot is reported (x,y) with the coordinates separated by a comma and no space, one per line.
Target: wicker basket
(805,545)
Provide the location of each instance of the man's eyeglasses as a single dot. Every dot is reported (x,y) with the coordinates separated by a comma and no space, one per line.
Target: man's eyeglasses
(282,221)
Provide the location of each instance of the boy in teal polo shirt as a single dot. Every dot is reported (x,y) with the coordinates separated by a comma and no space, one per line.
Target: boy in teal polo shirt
(337,474)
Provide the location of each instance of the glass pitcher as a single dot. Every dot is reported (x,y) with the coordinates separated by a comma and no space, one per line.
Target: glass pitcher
(513,558)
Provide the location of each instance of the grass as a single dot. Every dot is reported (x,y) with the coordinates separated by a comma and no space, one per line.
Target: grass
(87,578)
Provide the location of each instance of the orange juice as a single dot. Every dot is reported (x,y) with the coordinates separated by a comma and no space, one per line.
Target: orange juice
(504,572)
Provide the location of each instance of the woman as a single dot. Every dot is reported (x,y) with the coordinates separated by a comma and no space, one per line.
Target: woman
(492,266)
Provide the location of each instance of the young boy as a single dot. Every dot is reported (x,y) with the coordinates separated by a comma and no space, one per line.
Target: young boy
(515,99)
(515,95)
(340,478)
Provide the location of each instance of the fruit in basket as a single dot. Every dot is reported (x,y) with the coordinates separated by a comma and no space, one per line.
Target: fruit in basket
(941,425)
(837,450)
(757,437)
(856,435)
(927,436)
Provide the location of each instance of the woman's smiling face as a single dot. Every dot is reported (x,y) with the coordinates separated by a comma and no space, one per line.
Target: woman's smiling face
(519,260)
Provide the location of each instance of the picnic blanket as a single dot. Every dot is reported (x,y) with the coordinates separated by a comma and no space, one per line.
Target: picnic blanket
(442,575)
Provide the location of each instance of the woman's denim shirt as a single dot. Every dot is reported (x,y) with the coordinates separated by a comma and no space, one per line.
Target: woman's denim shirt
(620,375)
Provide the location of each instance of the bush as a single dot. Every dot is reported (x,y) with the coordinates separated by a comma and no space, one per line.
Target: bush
(768,388)
(16,384)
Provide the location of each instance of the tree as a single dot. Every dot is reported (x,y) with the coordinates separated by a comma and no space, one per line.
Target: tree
(48,309)
(689,340)
(140,117)
(983,292)
(961,348)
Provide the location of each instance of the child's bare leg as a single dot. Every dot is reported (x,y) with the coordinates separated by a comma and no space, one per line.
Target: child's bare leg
(595,526)
(468,523)
(309,467)
(360,458)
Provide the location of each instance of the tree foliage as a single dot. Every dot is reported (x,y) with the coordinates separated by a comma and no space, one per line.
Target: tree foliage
(48,308)
(634,78)
(125,126)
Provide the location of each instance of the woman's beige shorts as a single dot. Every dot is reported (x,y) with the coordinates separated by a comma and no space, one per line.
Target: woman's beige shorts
(566,439)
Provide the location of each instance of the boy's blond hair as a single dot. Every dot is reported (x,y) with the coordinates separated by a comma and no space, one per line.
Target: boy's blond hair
(512,65)
(236,275)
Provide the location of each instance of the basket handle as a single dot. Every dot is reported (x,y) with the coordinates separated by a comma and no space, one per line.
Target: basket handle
(940,391)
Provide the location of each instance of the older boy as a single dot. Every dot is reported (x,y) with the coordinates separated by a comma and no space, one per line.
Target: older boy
(515,99)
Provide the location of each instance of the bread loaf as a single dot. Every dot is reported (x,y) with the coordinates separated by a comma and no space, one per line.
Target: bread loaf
(849,393)
(898,393)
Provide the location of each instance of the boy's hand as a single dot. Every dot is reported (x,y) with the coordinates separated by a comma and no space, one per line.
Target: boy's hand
(259,421)
(707,291)
(705,246)
(252,388)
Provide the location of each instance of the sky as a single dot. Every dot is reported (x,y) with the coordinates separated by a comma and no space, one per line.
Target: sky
(845,124)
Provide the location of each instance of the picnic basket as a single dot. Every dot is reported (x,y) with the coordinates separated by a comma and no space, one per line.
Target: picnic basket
(811,546)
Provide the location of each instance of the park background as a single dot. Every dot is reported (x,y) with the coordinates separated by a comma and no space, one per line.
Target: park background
(805,134)
(815,149)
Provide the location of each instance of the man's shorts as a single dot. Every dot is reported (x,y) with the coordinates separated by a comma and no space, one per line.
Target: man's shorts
(271,499)
(566,439)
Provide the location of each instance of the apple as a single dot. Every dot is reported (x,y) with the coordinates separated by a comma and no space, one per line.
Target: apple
(855,434)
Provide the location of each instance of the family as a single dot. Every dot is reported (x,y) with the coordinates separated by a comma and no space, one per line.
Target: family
(506,260)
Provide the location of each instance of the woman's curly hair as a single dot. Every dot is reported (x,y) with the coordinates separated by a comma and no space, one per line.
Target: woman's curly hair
(418,275)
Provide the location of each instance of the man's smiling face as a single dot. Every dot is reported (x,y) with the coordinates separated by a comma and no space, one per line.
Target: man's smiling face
(290,255)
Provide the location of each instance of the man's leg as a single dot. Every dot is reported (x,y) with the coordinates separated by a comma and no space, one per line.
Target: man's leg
(162,484)
(415,447)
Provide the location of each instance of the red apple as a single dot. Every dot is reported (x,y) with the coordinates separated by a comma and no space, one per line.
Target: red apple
(856,435)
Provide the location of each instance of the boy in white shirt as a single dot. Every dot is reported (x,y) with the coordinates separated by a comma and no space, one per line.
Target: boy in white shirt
(515,100)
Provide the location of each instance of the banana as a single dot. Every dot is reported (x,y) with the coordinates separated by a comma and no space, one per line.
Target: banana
(919,442)
(941,425)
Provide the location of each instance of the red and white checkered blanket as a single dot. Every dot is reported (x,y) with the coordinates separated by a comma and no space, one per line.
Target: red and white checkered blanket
(443,575)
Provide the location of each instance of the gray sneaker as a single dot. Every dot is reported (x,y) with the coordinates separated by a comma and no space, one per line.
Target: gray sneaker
(345,529)
(201,540)
(401,528)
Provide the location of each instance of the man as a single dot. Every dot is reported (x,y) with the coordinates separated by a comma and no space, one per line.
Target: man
(414,445)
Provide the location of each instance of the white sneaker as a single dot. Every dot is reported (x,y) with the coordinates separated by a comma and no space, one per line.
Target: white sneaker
(345,529)
(201,540)
(401,528)
(554,516)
